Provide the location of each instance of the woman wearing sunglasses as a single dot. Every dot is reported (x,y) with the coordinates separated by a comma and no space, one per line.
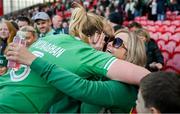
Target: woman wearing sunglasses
(128,47)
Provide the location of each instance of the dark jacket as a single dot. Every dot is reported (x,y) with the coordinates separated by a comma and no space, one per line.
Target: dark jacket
(153,54)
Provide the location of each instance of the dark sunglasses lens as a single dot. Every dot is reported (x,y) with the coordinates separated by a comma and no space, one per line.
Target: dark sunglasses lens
(117,42)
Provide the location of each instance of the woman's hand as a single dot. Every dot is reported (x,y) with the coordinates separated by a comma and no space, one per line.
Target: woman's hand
(97,41)
(20,54)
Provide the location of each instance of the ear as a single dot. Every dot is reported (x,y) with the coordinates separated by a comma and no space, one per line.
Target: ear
(154,110)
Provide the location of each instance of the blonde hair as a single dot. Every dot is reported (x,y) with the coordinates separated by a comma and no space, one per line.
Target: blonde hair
(143,32)
(29,29)
(83,24)
(108,29)
(136,53)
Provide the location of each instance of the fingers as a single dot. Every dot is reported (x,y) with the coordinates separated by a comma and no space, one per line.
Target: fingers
(101,38)
(96,37)
(13,47)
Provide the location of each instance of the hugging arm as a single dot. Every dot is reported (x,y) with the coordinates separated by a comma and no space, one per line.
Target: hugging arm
(102,93)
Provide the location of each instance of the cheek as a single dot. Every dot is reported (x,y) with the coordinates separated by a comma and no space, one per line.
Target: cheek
(119,53)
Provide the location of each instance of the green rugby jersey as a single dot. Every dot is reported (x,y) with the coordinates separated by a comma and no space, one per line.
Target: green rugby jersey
(74,55)
(24,91)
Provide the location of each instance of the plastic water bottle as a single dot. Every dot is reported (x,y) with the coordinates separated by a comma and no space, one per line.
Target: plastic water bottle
(19,39)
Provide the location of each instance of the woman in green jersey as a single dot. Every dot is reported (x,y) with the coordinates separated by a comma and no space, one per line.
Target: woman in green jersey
(118,90)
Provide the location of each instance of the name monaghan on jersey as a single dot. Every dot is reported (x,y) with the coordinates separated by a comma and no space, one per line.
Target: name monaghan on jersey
(49,48)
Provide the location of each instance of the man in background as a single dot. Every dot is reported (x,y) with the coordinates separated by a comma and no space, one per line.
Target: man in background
(57,22)
(43,24)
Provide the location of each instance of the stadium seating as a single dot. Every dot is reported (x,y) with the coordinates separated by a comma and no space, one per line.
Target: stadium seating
(167,36)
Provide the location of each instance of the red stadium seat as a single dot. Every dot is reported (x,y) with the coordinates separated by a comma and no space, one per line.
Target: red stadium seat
(175,37)
(167,23)
(137,18)
(165,37)
(143,18)
(162,29)
(166,56)
(151,23)
(168,13)
(171,29)
(177,49)
(178,17)
(143,22)
(151,29)
(154,36)
(161,44)
(159,23)
(174,63)
(175,23)
(177,30)
(170,46)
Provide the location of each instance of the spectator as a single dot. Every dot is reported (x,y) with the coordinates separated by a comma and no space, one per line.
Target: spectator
(15,25)
(130,9)
(159,93)
(57,25)
(138,8)
(155,60)
(7,33)
(153,6)
(43,24)
(23,21)
(134,26)
(116,20)
(161,9)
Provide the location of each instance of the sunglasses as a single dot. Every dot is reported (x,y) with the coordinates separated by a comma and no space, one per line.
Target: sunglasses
(118,42)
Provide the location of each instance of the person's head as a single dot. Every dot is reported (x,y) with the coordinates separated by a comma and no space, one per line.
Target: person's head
(115,18)
(159,93)
(4,31)
(143,34)
(29,33)
(43,22)
(3,65)
(84,24)
(12,31)
(57,21)
(23,21)
(134,26)
(128,46)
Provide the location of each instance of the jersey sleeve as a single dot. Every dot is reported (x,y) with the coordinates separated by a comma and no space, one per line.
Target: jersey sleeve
(95,63)
(102,93)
